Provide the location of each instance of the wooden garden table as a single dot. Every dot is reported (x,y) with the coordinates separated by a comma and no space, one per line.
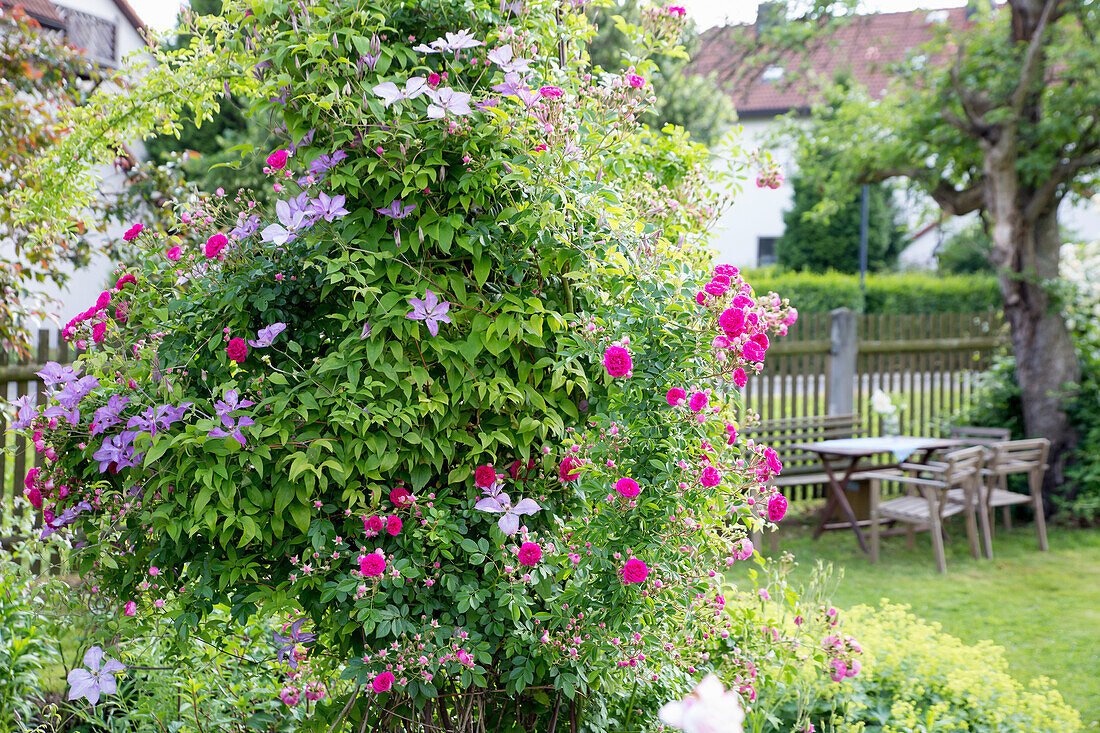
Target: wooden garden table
(833,453)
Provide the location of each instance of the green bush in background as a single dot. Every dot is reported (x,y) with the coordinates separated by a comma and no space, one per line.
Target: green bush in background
(910,292)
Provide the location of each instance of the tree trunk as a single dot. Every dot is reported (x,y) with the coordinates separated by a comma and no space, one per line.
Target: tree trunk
(1046,361)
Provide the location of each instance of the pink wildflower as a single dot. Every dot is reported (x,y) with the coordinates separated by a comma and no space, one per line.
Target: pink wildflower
(393,526)
(133,232)
(383,682)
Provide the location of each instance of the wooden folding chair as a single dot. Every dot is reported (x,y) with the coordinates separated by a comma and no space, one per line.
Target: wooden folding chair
(926,503)
(1005,459)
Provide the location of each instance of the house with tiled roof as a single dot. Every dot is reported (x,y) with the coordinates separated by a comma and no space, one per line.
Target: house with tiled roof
(863,49)
(107,30)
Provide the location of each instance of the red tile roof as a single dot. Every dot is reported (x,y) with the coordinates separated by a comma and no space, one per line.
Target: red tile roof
(865,47)
(41,10)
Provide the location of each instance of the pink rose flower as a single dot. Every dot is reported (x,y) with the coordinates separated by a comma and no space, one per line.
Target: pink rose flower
(237,349)
(529,554)
(634,571)
(617,361)
(627,488)
(277,160)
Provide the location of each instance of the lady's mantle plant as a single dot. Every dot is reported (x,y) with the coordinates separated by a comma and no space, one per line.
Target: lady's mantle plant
(456,405)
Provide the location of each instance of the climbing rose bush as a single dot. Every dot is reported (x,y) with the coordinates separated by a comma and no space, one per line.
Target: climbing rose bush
(451,407)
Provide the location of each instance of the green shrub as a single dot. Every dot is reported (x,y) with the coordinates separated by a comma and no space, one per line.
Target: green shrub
(966,251)
(814,246)
(888,293)
(25,646)
(917,678)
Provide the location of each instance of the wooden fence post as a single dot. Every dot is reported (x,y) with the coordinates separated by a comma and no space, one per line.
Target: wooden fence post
(842,362)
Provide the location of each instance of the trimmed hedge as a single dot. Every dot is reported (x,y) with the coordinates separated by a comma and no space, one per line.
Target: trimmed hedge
(911,292)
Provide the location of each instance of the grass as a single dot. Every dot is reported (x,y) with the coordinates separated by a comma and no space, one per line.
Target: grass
(1043,608)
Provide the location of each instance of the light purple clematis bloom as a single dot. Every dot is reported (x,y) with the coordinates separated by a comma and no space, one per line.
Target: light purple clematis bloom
(507,60)
(287,643)
(108,415)
(96,679)
(390,92)
(231,404)
(25,412)
(396,211)
(431,310)
(233,430)
(447,100)
(497,502)
(53,524)
(328,207)
(53,374)
(267,335)
(291,220)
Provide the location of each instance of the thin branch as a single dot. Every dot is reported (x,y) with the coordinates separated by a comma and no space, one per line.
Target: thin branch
(1062,174)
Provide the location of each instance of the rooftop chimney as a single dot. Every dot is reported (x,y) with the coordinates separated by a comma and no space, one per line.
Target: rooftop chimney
(770,14)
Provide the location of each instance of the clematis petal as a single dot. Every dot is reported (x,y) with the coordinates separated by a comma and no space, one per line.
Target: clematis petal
(92,658)
(526,506)
(509,524)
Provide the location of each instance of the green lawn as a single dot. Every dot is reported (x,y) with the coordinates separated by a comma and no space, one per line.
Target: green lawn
(1043,608)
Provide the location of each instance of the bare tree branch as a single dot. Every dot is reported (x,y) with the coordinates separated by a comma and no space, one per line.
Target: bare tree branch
(1044,196)
(952,200)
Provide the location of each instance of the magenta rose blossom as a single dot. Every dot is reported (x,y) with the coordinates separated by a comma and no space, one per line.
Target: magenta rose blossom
(675,396)
(372,565)
(551,92)
(400,496)
(174,254)
(635,81)
(716,288)
(698,402)
(617,361)
(484,476)
(627,488)
(710,477)
(529,554)
(732,321)
(739,377)
(383,682)
(751,351)
(635,571)
(777,507)
(567,470)
(99,331)
(393,526)
(372,524)
(215,244)
(133,232)
(277,160)
(237,349)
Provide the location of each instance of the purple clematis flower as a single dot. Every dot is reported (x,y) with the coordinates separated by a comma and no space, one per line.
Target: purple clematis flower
(447,100)
(507,60)
(72,416)
(112,450)
(233,430)
(328,207)
(430,310)
(291,220)
(74,392)
(96,679)
(24,412)
(458,41)
(53,524)
(167,415)
(231,404)
(267,335)
(511,85)
(108,415)
(366,331)
(53,374)
(245,227)
(497,502)
(306,140)
(391,93)
(287,643)
(396,211)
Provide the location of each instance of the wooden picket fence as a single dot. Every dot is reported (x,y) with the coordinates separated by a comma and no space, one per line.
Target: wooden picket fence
(17,374)
(929,360)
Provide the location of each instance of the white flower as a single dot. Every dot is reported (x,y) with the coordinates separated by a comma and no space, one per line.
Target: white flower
(390,93)
(507,61)
(709,708)
(882,404)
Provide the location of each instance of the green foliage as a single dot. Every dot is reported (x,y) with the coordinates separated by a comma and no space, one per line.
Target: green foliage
(886,293)
(551,235)
(695,103)
(815,246)
(26,647)
(966,251)
(917,678)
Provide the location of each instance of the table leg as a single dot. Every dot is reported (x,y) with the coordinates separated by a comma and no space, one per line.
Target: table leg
(837,498)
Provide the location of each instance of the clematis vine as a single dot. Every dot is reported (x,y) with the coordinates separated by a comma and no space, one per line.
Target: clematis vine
(450,42)
(497,502)
(396,210)
(430,310)
(447,100)
(390,93)
(97,679)
(267,335)
(291,221)
(287,643)
(507,60)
